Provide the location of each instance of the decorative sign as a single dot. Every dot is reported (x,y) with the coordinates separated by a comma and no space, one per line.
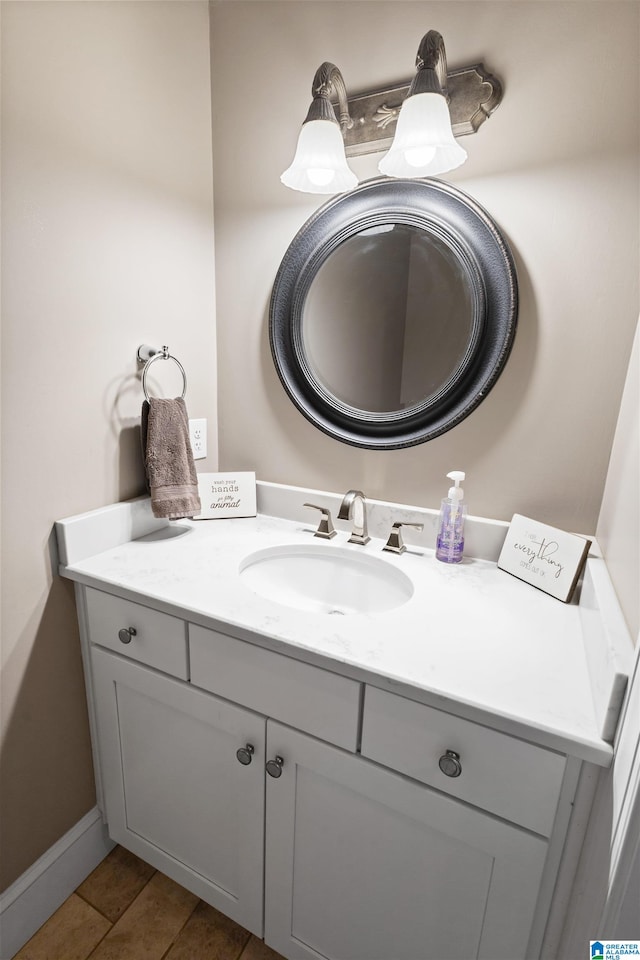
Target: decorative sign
(543,556)
(224,495)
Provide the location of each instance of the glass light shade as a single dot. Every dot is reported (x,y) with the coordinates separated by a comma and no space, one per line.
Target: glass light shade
(424,144)
(320,164)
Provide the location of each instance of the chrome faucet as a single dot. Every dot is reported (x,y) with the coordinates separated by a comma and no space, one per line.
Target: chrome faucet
(353,508)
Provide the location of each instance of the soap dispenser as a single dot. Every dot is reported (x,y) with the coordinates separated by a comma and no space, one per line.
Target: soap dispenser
(450,541)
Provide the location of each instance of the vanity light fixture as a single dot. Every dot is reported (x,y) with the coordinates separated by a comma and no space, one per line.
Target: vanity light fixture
(429,113)
(424,144)
(320,164)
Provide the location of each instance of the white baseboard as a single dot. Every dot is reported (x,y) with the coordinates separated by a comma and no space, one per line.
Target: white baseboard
(38,893)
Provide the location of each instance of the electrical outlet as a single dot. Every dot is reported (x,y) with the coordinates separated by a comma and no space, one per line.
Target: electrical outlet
(198,438)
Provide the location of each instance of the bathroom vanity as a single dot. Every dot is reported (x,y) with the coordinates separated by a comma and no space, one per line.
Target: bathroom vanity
(369,785)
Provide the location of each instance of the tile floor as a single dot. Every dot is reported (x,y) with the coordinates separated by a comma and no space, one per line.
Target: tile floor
(126,910)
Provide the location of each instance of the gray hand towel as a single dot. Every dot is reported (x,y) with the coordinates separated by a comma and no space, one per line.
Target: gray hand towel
(168,459)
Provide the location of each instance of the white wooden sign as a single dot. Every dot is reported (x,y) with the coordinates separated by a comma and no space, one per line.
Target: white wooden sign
(224,495)
(544,556)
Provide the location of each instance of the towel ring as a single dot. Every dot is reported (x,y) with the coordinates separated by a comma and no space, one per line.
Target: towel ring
(149,355)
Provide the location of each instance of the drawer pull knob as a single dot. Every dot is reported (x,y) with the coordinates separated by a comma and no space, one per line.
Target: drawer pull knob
(244,754)
(126,633)
(274,767)
(450,764)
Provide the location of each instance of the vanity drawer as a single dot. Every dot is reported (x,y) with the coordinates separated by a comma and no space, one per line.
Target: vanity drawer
(504,775)
(309,698)
(160,641)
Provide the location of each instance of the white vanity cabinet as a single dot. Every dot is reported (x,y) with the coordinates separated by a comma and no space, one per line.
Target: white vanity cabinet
(174,791)
(362,863)
(310,807)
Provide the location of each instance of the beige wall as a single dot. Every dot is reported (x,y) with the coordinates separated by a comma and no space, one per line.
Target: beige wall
(618,528)
(557,166)
(107,242)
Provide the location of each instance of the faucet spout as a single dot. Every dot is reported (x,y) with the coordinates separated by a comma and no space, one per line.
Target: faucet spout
(353,507)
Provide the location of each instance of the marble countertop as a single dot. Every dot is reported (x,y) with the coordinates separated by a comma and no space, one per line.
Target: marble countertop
(472,639)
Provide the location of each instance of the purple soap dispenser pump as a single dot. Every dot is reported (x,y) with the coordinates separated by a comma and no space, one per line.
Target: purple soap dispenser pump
(453,510)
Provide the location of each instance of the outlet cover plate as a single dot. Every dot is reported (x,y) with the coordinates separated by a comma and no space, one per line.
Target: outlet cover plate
(198,438)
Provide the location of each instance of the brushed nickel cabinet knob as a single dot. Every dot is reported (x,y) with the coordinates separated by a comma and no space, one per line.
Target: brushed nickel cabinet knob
(274,767)
(244,754)
(126,633)
(450,764)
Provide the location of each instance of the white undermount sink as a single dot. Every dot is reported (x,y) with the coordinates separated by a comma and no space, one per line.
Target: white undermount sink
(325,579)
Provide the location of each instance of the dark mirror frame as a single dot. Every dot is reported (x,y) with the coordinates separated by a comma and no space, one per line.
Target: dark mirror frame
(455,219)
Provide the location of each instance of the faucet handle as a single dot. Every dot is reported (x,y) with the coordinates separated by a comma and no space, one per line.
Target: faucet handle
(325,527)
(394,544)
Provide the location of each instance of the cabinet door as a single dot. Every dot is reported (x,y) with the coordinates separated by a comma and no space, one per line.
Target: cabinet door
(175,792)
(363,864)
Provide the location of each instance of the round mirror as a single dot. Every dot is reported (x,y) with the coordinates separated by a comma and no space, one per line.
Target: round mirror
(393,312)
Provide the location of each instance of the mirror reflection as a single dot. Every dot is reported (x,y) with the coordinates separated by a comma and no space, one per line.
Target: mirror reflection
(388,320)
